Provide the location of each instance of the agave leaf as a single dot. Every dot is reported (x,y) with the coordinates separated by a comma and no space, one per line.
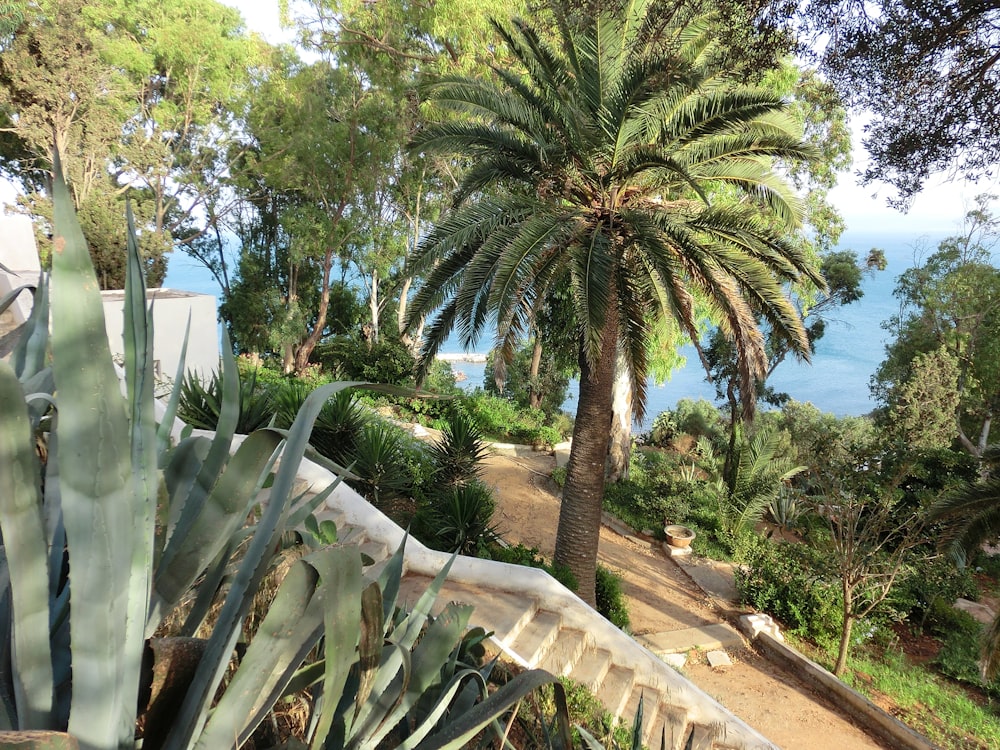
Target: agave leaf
(564,734)
(289,631)
(181,475)
(391,679)
(138,340)
(26,555)
(457,733)
(340,574)
(212,667)
(390,578)
(223,512)
(28,356)
(370,649)
(443,705)
(95,485)
(197,491)
(301,508)
(8,711)
(8,299)
(207,589)
(417,617)
(428,658)
(40,388)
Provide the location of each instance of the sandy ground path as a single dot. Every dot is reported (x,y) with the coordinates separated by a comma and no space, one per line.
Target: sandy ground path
(662,598)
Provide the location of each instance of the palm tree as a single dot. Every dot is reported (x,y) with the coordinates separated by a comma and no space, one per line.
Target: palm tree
(590,169)
(971,515)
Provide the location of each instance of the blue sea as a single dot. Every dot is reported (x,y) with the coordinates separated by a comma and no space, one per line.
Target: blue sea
(837,379)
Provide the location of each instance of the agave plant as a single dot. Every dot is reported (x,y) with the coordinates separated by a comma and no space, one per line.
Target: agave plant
(108,529)
(200,403)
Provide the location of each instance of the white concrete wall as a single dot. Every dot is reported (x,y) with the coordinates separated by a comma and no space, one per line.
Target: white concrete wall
(170,318)
(19,254)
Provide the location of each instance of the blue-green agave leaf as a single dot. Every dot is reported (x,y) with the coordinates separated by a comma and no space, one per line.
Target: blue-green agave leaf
(96,487)
(26,551)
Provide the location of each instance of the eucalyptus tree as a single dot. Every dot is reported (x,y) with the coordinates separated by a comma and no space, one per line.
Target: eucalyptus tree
(576,157)
(142,97)
(951,302)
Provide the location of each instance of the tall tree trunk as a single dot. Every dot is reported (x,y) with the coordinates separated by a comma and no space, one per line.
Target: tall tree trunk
(373,306)
(845,631)
(534,387)
(580,513)
(306,347)
(620,445)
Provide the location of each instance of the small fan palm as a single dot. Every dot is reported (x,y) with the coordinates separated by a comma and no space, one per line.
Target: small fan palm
(460,452)
(754,482)
(591,170)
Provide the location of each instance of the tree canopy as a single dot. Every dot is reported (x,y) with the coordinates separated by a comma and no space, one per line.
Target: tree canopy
(927,71)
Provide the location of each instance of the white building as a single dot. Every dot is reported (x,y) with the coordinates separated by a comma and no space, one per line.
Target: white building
(171,308)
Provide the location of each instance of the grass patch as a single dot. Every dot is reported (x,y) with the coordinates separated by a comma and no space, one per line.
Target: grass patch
(937,707)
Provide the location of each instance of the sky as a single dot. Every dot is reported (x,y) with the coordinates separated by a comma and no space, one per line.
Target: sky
(938,208)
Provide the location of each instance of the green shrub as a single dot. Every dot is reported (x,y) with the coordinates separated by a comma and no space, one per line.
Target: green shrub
(928,584)
(387,361)
(699,419)
(501,419)
(551,382)
(530,557)
(610,598)
(961,644)
(664,429)
(786,581)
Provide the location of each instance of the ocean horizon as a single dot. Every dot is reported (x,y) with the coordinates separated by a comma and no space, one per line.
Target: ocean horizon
(836,381)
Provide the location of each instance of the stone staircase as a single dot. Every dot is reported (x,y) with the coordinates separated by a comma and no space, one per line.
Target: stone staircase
(536,623)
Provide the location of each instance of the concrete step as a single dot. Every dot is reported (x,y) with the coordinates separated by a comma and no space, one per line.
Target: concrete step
(375,550)
(535,638)
(705,637)
(591,668)
(651,700)
(616,689)
(500,613)
(566,651)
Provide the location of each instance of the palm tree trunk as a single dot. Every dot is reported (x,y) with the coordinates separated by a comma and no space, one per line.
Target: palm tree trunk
(580,513)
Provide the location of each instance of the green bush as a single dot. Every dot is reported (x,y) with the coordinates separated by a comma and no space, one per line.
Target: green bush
(786,581)
(610,598)
(699,419)
(551,382)
(961,642)
(529,557)
(501,419)
(387,361)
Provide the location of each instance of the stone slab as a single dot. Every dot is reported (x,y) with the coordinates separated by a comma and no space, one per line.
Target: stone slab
(718,659)
(705,637)
(714,578)
(980,611)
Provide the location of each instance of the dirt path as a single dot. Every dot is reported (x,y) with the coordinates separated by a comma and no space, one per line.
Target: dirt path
(662,598)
